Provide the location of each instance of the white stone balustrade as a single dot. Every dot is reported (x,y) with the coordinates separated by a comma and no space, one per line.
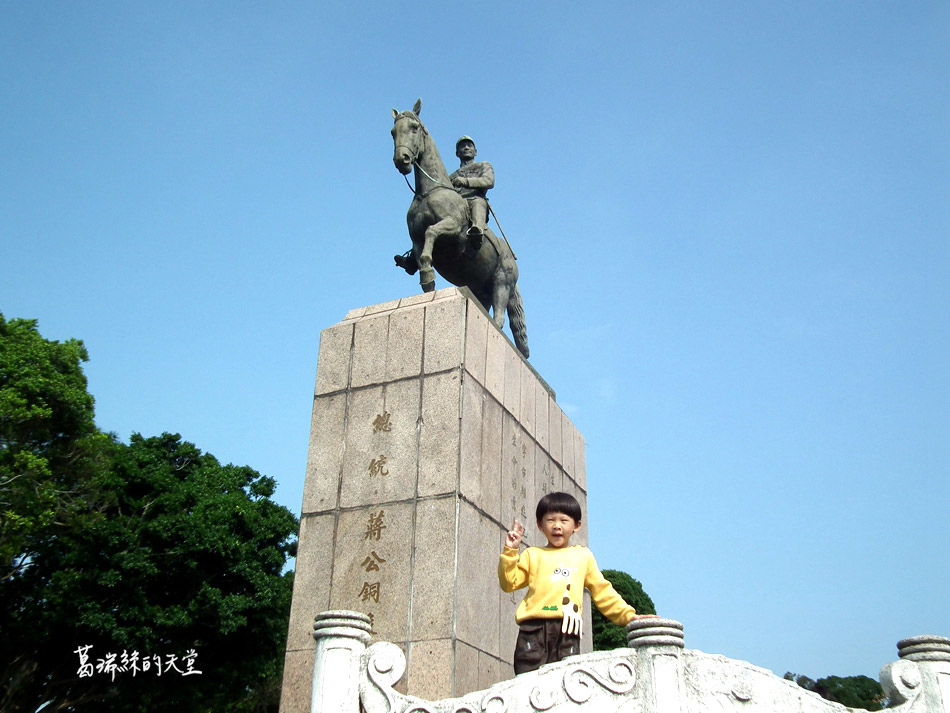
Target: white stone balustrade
(656,674)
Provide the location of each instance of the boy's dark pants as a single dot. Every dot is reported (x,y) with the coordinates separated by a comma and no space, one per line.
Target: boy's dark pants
(540,641)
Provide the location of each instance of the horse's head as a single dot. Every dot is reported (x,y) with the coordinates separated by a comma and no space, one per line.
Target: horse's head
(408,138)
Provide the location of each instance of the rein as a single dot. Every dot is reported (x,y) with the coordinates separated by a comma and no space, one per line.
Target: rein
(436,187)
(415,162)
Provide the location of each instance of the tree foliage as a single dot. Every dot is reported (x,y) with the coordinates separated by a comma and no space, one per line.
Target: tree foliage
(148,548)
(852,691)
(608,635)
(47,435)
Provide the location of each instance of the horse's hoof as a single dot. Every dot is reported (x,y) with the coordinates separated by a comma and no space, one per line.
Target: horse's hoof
(428,286)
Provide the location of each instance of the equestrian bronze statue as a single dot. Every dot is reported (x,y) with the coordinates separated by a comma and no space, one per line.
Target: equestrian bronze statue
(440,226)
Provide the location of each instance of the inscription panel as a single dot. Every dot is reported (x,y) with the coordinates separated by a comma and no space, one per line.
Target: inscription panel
(517,485)
(379,464)
(371,567)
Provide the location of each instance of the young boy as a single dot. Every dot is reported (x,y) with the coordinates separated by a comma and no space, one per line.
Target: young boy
(549,616)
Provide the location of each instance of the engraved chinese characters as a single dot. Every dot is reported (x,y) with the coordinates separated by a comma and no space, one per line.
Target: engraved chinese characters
(374,531)
(379,461)
(369,591)
(377,466)
(371,537)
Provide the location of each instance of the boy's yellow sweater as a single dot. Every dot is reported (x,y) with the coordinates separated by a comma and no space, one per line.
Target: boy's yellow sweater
(546,572)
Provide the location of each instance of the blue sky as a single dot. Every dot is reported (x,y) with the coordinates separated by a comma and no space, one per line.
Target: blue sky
(732,226)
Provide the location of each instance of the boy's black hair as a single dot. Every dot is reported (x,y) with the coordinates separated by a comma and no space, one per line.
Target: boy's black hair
(564,503)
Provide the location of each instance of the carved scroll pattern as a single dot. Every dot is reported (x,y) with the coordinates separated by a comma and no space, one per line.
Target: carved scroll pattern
(542,698)
(902,682)
(621,678)
(386,665)
(500,698)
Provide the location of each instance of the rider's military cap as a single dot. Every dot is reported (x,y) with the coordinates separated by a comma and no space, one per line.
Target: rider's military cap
(464,138)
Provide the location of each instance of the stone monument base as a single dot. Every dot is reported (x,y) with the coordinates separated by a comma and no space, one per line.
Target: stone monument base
(430,436)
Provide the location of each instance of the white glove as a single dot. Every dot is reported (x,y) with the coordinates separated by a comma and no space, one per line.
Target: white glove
(572,623)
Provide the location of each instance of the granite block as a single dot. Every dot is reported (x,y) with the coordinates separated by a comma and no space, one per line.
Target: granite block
(354,314)
(444,332)
(295,691)
(371,567)
(491,464)
(404,348)
(491,670)
(580,460)
(555,416)
(311,579)
(419,299)
(433,570)
(431,665)
(382,307)
(581,538)
(507,626)
(541,425)
(446,293)
(587,631)
(477,578)
(517,485)
(526,409)
(567,445)
(548,477)
(470,445)
(476,341)
(370,336)
(333,361)
(496,352)
(325,456)
(513,370)
(403,401)
(439,434)
(466,669)
(379,465)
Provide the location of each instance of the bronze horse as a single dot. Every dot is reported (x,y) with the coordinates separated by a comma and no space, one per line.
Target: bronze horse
(438,222)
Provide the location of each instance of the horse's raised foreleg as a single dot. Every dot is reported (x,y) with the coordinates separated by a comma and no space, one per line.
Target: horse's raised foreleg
(426,273)
(433,233)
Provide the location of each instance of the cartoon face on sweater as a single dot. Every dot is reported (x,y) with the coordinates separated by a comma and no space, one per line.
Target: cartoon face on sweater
(562,575)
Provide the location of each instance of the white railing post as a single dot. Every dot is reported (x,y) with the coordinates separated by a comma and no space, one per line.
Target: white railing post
(341,637)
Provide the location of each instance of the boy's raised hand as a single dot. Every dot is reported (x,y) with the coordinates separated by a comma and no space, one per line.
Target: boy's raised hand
(513,538)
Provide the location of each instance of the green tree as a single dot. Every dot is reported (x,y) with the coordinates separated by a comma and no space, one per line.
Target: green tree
(48,440)
(152,548)
(608,635)
(852,691)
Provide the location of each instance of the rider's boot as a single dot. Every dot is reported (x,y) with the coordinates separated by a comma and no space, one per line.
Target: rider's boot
(473,240)
(407,262)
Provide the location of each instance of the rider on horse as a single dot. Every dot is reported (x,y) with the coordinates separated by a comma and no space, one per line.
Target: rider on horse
(472,180)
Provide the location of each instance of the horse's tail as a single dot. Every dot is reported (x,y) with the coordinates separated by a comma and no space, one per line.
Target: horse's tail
(516,321)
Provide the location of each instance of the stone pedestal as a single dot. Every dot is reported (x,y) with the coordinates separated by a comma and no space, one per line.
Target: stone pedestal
(430,435)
